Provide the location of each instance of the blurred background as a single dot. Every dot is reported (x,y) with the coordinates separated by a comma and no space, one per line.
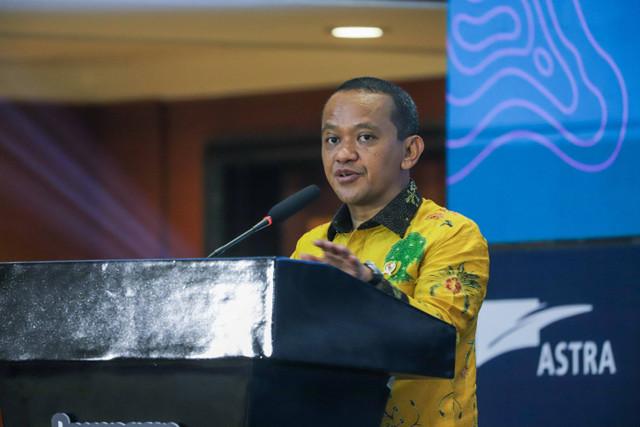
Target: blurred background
(157,129)
(163,129)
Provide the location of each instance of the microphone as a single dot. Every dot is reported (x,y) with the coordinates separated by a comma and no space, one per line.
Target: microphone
(278,213)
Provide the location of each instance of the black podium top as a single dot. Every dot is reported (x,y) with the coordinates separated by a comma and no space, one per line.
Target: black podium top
(208,309)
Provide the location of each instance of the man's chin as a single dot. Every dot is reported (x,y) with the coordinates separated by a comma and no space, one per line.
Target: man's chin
(352,196)
(350,199)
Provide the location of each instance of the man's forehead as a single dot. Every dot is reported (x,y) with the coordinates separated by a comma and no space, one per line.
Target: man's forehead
(355,102)
(360,97)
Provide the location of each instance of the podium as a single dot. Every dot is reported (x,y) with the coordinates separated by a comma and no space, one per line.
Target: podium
(199,343)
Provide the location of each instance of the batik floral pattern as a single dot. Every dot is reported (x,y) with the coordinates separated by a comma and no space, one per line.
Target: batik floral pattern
(389,416)
(413,196)
(456,281)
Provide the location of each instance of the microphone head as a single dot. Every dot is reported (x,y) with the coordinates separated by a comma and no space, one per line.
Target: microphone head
(293,204)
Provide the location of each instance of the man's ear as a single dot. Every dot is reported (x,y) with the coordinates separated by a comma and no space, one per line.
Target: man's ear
(413,147)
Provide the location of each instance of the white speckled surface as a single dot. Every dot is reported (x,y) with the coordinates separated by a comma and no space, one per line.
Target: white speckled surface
(193,309)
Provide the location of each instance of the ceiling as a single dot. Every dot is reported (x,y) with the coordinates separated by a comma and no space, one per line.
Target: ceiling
(65,51)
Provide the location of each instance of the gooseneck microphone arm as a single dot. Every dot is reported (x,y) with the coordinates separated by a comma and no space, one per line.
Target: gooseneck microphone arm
(259,226)
(278,213)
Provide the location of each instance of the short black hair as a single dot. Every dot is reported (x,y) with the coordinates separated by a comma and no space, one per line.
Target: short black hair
(405,113)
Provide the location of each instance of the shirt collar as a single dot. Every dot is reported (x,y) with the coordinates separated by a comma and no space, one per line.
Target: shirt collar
(396,216)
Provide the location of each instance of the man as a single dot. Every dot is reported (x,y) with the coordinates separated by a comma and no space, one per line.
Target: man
(386,234)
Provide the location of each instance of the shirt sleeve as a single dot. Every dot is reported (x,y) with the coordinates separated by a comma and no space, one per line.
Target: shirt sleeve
(453,274)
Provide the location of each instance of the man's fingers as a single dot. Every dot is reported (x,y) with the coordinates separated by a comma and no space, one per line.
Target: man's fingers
(332,248)
(323,244)
(309,257)
(338,256)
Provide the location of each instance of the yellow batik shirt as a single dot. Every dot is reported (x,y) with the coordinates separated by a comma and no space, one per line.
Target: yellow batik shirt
(440,261)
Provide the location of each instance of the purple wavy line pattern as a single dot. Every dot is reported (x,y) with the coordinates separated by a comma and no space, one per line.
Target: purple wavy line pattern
(534,33)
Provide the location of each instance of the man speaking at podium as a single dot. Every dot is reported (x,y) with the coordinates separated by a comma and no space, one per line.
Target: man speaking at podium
(386,234)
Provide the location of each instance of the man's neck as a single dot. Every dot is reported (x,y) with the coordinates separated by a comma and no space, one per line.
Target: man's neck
(358,216)
(361,214)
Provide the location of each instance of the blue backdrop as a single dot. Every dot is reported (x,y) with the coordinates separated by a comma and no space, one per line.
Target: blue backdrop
(543,144)
(557,341)
(543,118)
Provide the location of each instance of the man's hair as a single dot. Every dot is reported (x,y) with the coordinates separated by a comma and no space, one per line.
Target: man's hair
(404,115)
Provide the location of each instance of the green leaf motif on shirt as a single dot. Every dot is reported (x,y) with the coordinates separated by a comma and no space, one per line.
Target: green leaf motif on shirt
(457,281)
(412,196)
(405,253)
(456,407)
(464,372)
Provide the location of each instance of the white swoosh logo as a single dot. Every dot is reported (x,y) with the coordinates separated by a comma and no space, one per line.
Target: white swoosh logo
(512,324)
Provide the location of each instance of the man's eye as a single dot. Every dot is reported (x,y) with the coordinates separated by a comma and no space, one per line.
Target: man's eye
(366,137)
(332,140)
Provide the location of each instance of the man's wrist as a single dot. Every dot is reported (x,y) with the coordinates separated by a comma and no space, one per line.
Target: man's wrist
(367,274)
(374,275)
(378,280)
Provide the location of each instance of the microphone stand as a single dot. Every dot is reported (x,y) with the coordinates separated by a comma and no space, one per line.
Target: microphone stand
(266,221)
(279,212)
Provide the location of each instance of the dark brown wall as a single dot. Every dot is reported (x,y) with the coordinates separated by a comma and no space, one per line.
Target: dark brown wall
(126,180)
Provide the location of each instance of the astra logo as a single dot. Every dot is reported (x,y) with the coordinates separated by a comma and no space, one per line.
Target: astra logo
(513,324)
(592,363)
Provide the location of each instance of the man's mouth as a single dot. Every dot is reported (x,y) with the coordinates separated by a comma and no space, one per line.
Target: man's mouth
(346,175)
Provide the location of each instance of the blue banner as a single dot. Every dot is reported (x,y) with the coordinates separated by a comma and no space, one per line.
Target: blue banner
(557,340)
(543,135)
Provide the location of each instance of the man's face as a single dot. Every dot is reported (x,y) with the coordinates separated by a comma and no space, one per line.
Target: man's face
(361,153)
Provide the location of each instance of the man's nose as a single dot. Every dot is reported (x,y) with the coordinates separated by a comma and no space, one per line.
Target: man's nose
(348,152)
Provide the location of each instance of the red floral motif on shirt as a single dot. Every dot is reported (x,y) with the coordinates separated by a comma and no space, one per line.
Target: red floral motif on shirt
(457,281)
(464,372)
(453,284)
(440,214)
(437,215)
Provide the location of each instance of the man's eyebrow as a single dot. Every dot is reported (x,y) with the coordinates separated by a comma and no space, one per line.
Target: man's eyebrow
(327,126)
(367,125)
(364,125)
